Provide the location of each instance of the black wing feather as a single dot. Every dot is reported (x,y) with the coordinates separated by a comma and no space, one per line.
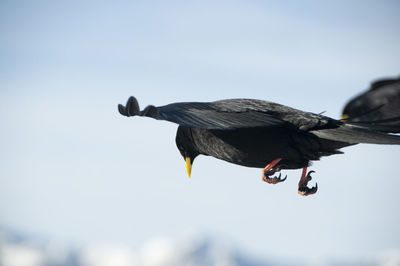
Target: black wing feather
(245,113)
(229,114)
(209,116)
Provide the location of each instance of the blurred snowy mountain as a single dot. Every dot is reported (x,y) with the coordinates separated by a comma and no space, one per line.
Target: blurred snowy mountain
(20,250)
(27,250)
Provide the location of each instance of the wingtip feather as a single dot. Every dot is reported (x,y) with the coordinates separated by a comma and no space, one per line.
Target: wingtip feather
(122,110)
(130,109)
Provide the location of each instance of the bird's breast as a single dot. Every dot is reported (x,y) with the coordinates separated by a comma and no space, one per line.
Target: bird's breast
(247,147)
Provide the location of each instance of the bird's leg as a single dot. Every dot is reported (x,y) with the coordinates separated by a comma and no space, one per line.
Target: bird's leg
(269,170)
(305,178)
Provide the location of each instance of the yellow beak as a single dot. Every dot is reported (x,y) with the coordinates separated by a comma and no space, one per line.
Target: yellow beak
(188,166)
(345,117)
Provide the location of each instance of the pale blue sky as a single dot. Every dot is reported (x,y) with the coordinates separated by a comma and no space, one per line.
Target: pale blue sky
(72,168)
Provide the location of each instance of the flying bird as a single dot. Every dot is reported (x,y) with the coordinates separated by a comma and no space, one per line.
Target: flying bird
(256,133)
(378,106)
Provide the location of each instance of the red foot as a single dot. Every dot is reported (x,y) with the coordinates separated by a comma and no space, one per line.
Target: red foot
(305,178)
(270,170)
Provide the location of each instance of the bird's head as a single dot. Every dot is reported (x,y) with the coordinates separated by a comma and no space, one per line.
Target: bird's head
(355,108)
(184,142)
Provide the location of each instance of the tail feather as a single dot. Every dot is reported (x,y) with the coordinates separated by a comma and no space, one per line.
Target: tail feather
(388,125)
(353,134)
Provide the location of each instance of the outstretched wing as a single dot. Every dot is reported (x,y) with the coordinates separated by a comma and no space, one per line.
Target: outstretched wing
(245,113)
(228,114)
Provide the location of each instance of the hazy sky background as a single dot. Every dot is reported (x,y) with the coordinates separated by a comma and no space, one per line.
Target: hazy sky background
(73,169)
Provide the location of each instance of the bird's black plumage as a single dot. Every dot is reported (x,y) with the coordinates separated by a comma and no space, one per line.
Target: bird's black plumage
(256,147)
(253,133)
(378,106)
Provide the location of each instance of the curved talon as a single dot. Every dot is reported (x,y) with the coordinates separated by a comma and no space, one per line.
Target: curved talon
(273,180)
(304,190)
(308,177)
(269,170)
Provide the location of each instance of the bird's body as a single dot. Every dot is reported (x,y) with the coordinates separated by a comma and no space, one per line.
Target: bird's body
(379,105)
(255,147)
(257,133)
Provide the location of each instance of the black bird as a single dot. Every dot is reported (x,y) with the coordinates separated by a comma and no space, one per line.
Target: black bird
(257,133)
(378,106)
